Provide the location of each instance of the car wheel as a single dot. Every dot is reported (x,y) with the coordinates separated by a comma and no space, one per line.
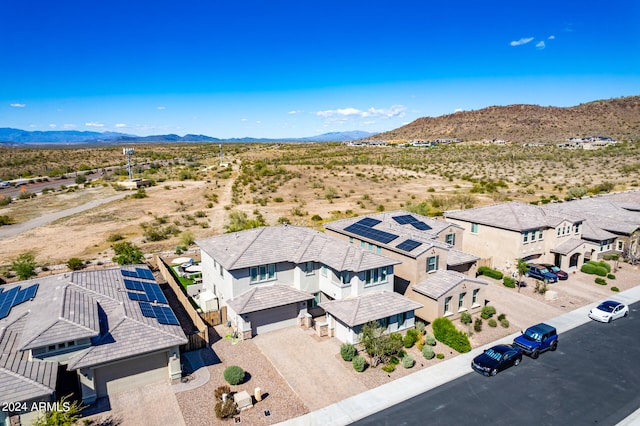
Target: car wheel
(526,274)
(516,362)
(626,314)
(609,320)
(493,372)
(535,354)
(554,345)
(546,280)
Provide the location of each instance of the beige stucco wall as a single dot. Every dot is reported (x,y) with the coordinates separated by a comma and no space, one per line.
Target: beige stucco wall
(433,309)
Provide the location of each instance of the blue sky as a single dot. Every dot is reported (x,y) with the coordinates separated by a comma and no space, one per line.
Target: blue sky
(292,69)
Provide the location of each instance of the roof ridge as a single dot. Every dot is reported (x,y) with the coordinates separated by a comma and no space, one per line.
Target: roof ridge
(259,232)
(355,311)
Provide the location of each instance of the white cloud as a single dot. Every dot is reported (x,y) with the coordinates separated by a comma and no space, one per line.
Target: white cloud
(258,122)
(458,110)
(93,124)
(161,107)
(344,114)
(244,119)
(295,111)
(53,126)
(552,37)
(521,41)
(69,126)
(121,125)
(540,45)
(18,105)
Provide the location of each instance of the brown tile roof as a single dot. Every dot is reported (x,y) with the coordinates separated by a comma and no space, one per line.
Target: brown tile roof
(267,296)
(441,282)
(369,307)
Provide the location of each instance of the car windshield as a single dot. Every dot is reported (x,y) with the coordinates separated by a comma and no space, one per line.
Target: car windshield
(555,269)
(606,307)
(544,270)
(532,335)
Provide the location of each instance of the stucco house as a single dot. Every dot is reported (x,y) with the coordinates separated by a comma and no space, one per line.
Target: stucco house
(425,246)
(106,330)
(269,277)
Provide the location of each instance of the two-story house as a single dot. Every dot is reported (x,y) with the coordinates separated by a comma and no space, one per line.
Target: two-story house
(433,270)
(113,327)
(268,277)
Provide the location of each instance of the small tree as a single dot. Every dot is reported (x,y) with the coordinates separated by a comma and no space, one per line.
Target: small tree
(378,344)
(24,265)
(234,375)
(65,413)
(521,268)
(127,254)
(75,264)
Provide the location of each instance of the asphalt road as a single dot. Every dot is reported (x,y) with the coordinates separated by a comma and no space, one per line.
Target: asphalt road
(592,379)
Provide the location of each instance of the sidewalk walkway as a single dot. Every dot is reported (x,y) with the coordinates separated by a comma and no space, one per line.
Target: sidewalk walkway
(385,396)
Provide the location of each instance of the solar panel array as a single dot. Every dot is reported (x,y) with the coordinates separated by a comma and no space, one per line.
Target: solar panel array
(373,234)
(146,293)
(154,293)
(420,225)
(409,219)
(133,285)
(369,221)
(165,315)
(14,297)
(143,273)
(147,309)
(408,245)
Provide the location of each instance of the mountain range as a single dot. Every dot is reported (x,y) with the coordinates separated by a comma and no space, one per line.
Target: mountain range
(17,136)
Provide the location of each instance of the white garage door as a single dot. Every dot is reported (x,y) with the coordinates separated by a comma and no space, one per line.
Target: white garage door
(130,374)
(273,319)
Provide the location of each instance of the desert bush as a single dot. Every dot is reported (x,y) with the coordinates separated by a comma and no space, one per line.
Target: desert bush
(477,325)
(440,356)
(408,361)
(115,237)
(24,265)
(428,352)
(501,317)
(487,312)
(492,322)
(492,273)
(465,318)
(410,338)
(420,342)
(75,264)
(226,409)
(359,363)
(316,218)
(6,220)
(611,276)
(447,333)
(504,323)
(430,339)
(601,281)
(234,375)
(5,200)
(616,289)
(420,326)
(509,282)
(541,287)
(348,351)
(220,390)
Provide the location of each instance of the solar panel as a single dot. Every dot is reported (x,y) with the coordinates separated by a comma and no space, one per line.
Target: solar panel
(147,309)
(4,311)
(138,297)
(368,221)
(154,292)
(404,219)
(408,245)
(132,274)
(165,315)
(420,225)
(133,285)
(31,291)
(9,296)
(373,234)
(145,274)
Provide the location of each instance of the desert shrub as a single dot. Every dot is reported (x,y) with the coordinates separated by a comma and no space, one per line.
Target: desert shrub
(430,339)
(420,343)
(465,318)
(477,325)
(504,323)
(601,281)
(388,368)
(447,333)
(234,375)
(6,220)
(75,264)
(127,253)
(348,351)
(115,237)
(611,276)
(501,317)
(226,409)
(359,363)
(420,327)
(509,282)
(316,218)
(492,273)
(487,312)
(410,338)
(541,287)
(5,200)
(600,271)
(24,265)
(428,352)
(601,268)
(140,193)
(440,356)
(588,268)
(220,390)
(616,289)
(408,362)
(604,265)
(492,322)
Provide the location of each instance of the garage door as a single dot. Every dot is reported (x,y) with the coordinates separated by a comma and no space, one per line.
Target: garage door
(130,374)
(273,319)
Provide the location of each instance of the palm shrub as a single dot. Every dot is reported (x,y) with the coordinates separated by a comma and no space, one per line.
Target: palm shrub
(428,352)
(234,375)
(359,363)
(407,361)
(348,351)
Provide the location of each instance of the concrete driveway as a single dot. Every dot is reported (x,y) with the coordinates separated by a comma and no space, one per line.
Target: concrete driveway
(312,366)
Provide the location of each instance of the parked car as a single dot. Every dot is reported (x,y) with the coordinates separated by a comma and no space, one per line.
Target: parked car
(539,338)
(496,359)
(562,275)
(540,273)
(609,310)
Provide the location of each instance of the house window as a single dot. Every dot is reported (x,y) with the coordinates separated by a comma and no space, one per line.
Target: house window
(263,272)
(461,301)
(559,232)
(533,236)
(344,277)
(309,268)
(400,318)
(383,322)
(447,302)
(350,240)
(324,270)
(221,271)
(370,247)
(577,228)
(378,249)
(474,228)
(51,348)
(474,300)
(432,263)
(375,276)
(620,245)
(525,237)
(71,343)
(451,239)
(362,244)
(540,234)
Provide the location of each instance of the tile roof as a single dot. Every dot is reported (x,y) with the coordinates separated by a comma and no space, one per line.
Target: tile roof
(456,257)
(267,296)
(568,246)
(288,243)
(441,282)
(514,216)
(611,214)
(369,307)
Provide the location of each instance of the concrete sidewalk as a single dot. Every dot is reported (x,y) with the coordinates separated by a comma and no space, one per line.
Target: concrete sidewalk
(374,400)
